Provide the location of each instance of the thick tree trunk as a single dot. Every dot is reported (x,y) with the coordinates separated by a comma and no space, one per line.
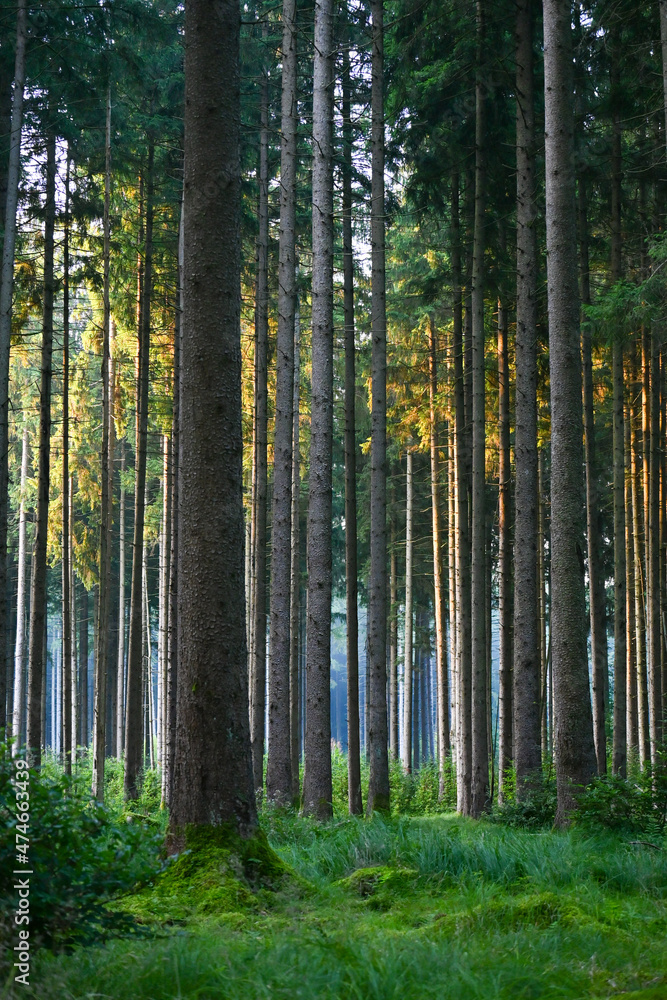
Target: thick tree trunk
(480,747)
(573,732)
(279,774)
(18,723)
(406,755)
(213,765)
(133,697)
(464,662)
(378,788)
(106,484)
(505,753)
(528,683)
(317,791)
(439,587)
(65,535)
(353,744)
(36,661)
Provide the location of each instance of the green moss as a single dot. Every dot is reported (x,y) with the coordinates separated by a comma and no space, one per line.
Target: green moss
(380,879)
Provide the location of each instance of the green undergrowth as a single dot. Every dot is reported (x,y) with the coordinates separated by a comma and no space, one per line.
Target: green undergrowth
(435,907)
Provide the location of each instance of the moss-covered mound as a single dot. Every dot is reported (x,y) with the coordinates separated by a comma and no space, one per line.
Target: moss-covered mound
(215,872)
(380,879)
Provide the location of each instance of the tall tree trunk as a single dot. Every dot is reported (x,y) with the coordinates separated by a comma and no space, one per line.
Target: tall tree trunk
(480,747)
(632,716)
(638,577)
(464,665)
(133,699)
(598,623)
(527,660)
(317,791)
(83,665)
(101,651)
(407,640)
(378,787)
(621,730)
(6,294)
(18,724)
(353,744)
(120,663)
(452,608)
(573,732)
(505,754)
(653,645)
(172,641)
(35,734)
(439,599)
(394,742)
(65,537)
(213,763)
(279,773)
(163,613)
(295,566)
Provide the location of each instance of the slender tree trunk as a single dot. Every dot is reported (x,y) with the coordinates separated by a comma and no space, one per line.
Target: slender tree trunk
(505,754)
(653,556)
(632,719)
(378,788)
(394,741)
(101,678)
(6,294)
(480,747)
(546,704)
(452,549)
(120,663)
(83,665)
(638,579)
(295,566)
(65,538)
(172,650)
(573,733)
(72,665)
(621,730)
(18,725)
(407,640)
(133,700)
(464,664)
(317,792)
(35,734)
(213,763)
(439,600)
(163,612)
(279,775)
(279,772)
(595,573)
(353,743)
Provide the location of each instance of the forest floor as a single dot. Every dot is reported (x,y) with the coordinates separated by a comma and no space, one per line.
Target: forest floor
(406,908)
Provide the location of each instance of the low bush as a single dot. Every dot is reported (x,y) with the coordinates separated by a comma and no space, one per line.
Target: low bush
(80,854)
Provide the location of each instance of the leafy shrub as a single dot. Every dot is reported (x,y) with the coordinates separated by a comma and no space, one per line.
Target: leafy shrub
(627,805)
(80,853)
(534,811)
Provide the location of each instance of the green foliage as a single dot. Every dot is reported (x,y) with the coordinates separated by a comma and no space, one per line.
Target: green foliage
(81,856)
(535,810)
(636,805)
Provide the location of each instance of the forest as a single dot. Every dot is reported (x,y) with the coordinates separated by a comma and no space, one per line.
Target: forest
(333,499)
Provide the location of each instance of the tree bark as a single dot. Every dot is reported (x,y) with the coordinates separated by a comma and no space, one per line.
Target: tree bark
(133,697)
(505,753)
(480,747)
(120,663)
(317,791)
(35,734)
(394,741)
(653,556)
(378,788)
(18,724)
(407,640)
(65,535)
(464,665)
(632,717)
(439,599)
(573,732)
(353,744)
(279,773)
(213,764)
(6,292)
(295,567)
(101,679)
(638,578)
